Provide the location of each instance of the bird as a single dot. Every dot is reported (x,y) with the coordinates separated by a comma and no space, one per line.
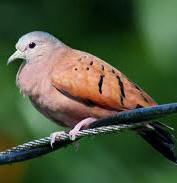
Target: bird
(74,89)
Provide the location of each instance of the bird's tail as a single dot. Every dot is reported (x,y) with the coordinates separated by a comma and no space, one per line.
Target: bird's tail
(160,139)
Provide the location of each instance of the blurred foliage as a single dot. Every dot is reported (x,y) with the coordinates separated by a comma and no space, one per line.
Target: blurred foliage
(139,38)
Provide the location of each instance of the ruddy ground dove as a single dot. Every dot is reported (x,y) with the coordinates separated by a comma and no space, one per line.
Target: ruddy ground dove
(74,88)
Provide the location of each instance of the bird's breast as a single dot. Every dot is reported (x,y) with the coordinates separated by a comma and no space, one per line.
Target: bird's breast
(36,84)
(59,108)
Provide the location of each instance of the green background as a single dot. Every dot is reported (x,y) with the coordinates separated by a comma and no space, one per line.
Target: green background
(137,37)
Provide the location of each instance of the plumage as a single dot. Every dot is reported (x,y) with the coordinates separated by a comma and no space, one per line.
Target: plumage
(82,84)
(74,88)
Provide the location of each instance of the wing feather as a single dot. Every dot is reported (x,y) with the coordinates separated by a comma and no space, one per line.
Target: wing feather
(88,79)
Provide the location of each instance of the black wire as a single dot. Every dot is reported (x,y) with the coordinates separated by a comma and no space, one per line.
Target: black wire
(122,120)
(137,115)
(42,146)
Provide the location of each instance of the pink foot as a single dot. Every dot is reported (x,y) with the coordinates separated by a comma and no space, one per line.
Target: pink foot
(56,136)
(82,124)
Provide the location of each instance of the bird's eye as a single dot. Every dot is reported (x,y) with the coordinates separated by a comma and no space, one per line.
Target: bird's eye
(32,45)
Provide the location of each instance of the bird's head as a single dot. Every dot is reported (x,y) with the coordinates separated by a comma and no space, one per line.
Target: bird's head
(33,45)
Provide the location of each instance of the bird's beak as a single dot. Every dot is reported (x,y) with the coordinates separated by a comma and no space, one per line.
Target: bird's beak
(17,55)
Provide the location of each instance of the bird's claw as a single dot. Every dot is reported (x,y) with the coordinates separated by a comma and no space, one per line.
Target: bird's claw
(73,133)
(56,137)
(81,125)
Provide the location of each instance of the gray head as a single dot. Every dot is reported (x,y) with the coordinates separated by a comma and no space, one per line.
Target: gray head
(33,45)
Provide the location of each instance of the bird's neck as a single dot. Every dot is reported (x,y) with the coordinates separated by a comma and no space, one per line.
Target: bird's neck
(34,77)
(30,77)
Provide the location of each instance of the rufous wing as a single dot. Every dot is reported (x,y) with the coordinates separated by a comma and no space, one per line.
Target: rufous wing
(88,79)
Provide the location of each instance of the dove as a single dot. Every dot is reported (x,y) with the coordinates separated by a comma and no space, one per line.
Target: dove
(73,89)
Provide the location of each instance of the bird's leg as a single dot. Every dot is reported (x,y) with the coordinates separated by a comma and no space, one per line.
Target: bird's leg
(82,124)
(72,133)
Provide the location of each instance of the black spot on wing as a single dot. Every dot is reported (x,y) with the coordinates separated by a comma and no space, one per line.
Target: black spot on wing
(122,96)
(87,102)
(137,87)
(91,63)
(102,66)
(144,98)
(138,106)
(100,83)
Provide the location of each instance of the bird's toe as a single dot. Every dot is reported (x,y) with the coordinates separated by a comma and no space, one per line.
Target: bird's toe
(56,136)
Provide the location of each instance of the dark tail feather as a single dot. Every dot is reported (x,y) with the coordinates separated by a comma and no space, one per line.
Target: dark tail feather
(160,139)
